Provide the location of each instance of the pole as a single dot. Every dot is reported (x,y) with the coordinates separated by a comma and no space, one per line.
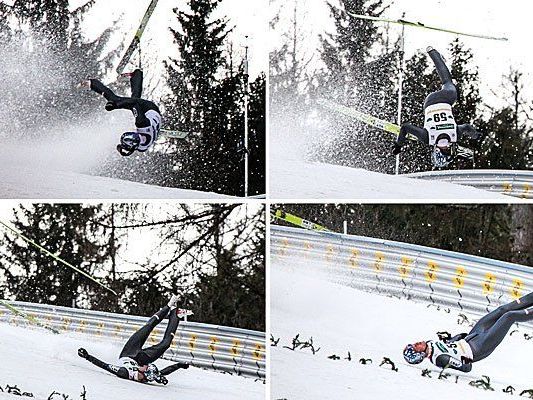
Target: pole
(246,101)
(400,89)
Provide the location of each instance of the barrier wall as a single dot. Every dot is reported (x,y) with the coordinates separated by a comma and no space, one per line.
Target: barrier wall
(222,348)
(442,278)
(511,183)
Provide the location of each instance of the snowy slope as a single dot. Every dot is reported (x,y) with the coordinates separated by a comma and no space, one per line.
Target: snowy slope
(58,166)
(29,183)
(40,362)
(293,178)
(342,320)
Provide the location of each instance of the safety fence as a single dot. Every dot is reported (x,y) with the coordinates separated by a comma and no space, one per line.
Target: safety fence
(511,183)
(441,278)
(221,348)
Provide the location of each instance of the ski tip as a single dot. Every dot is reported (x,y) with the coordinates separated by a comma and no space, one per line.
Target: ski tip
(429,48)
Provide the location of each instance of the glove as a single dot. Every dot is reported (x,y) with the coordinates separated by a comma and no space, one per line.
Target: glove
(184,365)
(397,149)
(83,353)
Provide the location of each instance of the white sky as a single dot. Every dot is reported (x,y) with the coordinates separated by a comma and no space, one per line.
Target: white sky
(250,18)
(510,18)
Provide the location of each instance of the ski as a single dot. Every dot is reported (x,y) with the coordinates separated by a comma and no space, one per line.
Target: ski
(381,124)
(298,221)
(30,318)
(137,39)
(423,26)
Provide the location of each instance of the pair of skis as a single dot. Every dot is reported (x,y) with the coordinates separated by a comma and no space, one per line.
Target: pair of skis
(298,221)
(386,126)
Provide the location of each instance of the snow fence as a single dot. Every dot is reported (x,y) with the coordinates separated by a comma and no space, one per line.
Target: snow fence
(439,277)
(511,183)
(221,348)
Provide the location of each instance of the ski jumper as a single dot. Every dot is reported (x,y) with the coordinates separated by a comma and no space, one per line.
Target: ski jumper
(134,356)
(147,114)
(460,351)
(439,120)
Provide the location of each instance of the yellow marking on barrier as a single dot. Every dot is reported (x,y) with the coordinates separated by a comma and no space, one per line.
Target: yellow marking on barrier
(213,345)
(379,261)
(516,289)
(354,258)
(258,352)
(405,267)
(66,323)
(308,247)
(284,247)
(81,327)
(192,341)
(100,327)
(507,188)
(235,348)
(330,251)
(525,193)
(488,283)
(431,272)
(118,330)
(459,279)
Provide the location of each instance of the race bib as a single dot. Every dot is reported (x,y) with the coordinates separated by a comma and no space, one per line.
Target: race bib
(440,123)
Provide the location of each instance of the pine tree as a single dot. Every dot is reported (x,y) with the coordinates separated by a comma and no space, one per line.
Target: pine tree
(64,230)
(508,144)
(346,52)
(233,294)
(206,97)
(257,141)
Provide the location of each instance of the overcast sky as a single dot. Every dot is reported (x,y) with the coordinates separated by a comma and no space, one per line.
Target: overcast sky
(248,17)
(493,18)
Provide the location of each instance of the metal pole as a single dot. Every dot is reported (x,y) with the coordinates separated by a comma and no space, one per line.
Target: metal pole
(400,89)
(246,101)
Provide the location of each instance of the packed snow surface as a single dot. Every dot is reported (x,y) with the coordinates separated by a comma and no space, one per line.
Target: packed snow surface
(342,320)
(40,362)
(62,168)
(28,183)
(293,178)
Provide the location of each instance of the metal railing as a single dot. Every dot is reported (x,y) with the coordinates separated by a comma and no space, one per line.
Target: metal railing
(511,183)
(221,348)
(439,277)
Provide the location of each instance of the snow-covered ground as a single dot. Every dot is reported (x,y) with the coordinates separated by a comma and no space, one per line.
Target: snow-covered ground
(342,320)
(29,183)
(293,178)
(58,169)
(40,362)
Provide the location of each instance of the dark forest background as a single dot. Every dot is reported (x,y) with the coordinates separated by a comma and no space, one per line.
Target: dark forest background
(211,256)
(359,67)
(502,232)
(204,89)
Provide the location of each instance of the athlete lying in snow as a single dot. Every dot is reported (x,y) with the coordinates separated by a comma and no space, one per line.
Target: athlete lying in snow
(464,349)
(136,363)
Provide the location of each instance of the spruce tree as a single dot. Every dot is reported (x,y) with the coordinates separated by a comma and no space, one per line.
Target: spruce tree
(358,76)
(206,98)
(257,140)
(508,142)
